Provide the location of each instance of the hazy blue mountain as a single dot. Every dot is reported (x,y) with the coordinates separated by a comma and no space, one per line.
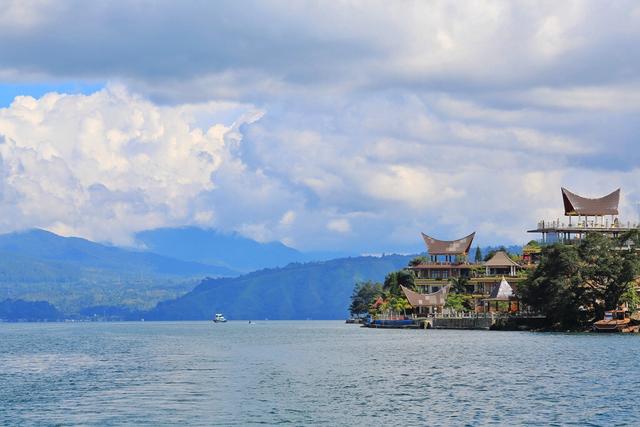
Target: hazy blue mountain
(230,250)
(73,273)
(46,246)
(32,311)
(315,290)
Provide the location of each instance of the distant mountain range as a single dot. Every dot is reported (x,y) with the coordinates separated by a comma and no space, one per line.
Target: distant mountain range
(73,273)
(45,246)
(182,273)
(228,250)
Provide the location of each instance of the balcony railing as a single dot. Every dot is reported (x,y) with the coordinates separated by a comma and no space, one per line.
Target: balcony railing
(592,224)
(484,315)
(429,281)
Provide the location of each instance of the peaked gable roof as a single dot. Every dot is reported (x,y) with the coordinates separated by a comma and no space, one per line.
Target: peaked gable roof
(448,247)
(501,259)
(502,292)
(575,205)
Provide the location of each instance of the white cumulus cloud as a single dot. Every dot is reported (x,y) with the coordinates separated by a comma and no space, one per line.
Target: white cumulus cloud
(111,163)
(309,124)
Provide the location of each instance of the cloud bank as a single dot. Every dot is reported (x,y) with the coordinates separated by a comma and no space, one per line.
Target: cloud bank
(111,163)
(342,125)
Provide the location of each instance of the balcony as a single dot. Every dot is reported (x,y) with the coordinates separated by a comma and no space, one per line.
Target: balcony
(588,224)
(432,282)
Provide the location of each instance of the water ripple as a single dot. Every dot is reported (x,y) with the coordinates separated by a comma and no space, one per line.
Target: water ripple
(319,373)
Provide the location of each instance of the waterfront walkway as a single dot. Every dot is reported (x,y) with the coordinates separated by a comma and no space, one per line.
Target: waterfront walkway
(463,321)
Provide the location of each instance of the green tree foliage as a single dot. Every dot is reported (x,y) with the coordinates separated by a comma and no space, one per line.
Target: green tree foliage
(400,305)
(533,244)
(459,302)
(459,285)
(574,285)
(554,288)
(478,256)
(394,305)
(606,271)
(317,290)
(394,280)
(364,294)
(418,260)
(632,298)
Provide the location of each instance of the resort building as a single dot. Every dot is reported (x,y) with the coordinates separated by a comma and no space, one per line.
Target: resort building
(531,254)
(493,285)
(502,294)
(447,259)
(584,215)
(499,266)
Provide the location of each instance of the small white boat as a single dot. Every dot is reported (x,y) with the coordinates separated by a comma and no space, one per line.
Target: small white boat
(219,318)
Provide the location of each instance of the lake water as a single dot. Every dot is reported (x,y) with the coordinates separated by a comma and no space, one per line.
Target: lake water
(201,373)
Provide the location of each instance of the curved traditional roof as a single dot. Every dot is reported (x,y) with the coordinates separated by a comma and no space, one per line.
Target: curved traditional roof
(501,259)
(575,205)
(426,300)
(448,247)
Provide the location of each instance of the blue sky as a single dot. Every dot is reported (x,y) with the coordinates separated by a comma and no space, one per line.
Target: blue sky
(349,126)
(9,90)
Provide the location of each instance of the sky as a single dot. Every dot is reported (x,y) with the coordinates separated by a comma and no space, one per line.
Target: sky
(345,125)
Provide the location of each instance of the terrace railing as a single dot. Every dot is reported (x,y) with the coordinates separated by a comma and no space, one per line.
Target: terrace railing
(553,224)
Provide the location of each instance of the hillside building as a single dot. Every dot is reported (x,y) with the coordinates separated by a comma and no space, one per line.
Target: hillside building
(584,215)
(448,261)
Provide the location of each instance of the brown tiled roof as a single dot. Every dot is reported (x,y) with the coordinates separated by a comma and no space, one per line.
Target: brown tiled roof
(426,300)
(575,205)
(500,259)
(448,247)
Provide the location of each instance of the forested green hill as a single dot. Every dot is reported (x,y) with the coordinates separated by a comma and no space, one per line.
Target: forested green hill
(315,290)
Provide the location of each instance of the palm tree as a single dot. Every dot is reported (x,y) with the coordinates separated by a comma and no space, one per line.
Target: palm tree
(395,279)
(407,279)
(459,285)
(390,284)
(404,305)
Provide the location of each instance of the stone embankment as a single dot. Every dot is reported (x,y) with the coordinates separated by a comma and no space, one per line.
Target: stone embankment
(498,323)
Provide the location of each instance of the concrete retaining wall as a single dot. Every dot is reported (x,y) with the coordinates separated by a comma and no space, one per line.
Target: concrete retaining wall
(462,323)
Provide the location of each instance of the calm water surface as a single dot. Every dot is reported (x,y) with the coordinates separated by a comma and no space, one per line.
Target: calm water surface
(201,373)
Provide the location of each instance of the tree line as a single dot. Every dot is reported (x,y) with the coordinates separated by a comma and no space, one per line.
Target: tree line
(392,299)
(574,284)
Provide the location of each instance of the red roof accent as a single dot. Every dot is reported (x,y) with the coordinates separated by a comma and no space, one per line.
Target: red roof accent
(378,302)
